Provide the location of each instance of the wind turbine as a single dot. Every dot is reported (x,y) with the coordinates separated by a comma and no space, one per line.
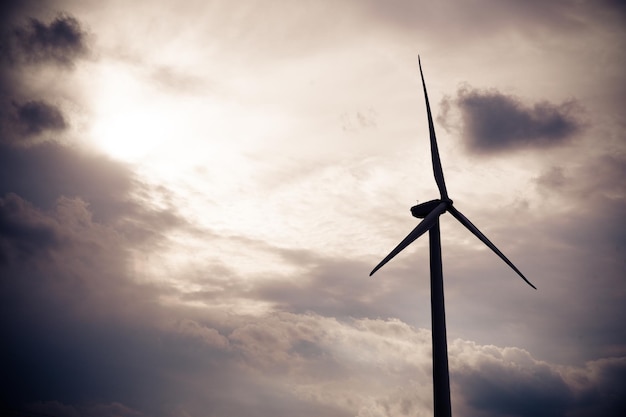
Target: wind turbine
(430,212)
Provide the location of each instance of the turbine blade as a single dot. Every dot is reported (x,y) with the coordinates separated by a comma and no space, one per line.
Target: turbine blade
(434,150)
(419,230)
(465,222)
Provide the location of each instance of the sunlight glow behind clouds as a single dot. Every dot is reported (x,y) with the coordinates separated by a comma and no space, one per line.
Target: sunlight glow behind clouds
(130,120)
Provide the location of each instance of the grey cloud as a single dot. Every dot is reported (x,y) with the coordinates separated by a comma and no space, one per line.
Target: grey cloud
(34,117)
(79,325)
(62,41)
(457,21)
(496,122)
(29,122)
(503,390)
(357,364)
(340,288)
(603,391)
(554,178)
(596,189)
(42,173)
(497,381)
(10,10)
(601,176)
(615,6)
(24,232)
(328,286)
(331,289)
(67,202)
(26,49)
(204,334)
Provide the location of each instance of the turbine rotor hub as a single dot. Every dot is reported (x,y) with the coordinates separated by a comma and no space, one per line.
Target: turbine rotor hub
(422,210)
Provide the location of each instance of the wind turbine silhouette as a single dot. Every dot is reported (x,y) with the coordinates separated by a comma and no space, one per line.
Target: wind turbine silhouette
(430,212)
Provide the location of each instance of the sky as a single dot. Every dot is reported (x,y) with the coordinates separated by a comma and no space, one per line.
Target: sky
(192,196)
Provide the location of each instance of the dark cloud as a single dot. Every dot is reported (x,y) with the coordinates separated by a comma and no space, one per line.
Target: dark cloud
(618,6)
(41,174)
(34,117)
(62,41)
(11,10)
(46,298)
(84,338)
(502,391)
(30,122)
(600,176)
(509,382)
(79,326)
(28,47)
(24,233)
(496,122)
(605,390)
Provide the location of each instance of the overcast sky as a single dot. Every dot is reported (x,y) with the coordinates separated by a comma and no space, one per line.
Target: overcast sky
(192,196)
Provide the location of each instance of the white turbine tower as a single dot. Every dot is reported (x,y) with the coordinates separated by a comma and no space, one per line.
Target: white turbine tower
(430,212)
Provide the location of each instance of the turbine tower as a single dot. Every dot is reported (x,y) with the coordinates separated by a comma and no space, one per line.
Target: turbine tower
(430,212)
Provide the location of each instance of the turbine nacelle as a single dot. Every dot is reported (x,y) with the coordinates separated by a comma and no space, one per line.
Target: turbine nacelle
(422,210)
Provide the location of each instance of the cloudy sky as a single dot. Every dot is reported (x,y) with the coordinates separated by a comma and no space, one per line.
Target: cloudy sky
(192,196)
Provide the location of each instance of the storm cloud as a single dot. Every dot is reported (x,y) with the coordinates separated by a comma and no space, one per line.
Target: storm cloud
(30,111)
(496,122)
(34,117)
(509,382)
(61,41)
